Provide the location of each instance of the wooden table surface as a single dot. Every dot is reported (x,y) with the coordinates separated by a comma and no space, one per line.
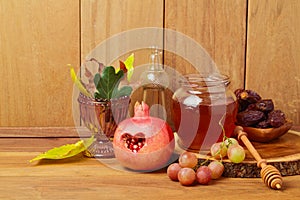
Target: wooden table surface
(86,178)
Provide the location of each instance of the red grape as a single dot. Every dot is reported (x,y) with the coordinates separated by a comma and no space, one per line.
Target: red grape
(203,175)
(218,150)
(188,159)
(236,153)
(217,169)
(186,176)
(173,170)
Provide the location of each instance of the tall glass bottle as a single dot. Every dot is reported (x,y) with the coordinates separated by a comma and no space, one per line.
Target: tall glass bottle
(154,81)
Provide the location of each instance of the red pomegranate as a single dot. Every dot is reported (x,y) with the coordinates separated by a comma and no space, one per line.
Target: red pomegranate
(143,143)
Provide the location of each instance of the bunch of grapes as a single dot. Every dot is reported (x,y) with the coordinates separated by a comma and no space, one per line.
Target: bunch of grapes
(187,173)
(230,148)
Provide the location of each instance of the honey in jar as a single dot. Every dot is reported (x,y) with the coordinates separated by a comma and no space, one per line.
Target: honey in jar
(204,110)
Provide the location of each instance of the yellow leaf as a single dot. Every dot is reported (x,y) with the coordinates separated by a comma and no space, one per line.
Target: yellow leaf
(65,151)
(78,83)
(129,66)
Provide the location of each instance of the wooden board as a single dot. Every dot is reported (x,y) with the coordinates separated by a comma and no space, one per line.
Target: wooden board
(273,48)
(283,153)
(84,178)
(101,20)
(36,45)
(218,26)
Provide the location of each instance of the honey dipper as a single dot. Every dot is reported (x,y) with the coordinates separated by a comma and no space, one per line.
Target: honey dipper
(270,175)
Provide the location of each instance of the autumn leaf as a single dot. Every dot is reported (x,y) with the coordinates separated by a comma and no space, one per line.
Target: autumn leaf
(129,66)
(122,66)
(65,151)
(78,83)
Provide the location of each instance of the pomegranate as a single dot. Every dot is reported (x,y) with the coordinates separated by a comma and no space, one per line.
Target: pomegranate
(143,143)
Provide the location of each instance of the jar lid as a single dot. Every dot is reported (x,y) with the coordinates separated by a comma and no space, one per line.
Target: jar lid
(212,86)
(206,80)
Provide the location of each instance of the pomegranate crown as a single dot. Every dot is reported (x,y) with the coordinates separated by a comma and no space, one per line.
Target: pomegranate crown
(141,109)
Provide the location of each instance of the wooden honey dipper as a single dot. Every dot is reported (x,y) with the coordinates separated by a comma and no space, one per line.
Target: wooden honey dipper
(270,175)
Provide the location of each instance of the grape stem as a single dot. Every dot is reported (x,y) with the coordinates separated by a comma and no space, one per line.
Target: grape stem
(223,130)
(205,161)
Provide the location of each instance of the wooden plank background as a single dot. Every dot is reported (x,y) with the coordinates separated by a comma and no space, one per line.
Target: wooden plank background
(37,41)
(218,26)
(273,53)
(256,43)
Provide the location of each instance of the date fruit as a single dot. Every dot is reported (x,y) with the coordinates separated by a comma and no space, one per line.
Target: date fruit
(257,112)
(250,117)
(245,98)
(263,124)
(264,105)
(276,118)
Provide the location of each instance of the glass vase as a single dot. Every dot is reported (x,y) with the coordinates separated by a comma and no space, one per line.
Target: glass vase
(101,117)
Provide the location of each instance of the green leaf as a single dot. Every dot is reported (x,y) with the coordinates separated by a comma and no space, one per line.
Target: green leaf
(101,92)
(65,151)
(129,66)
(107,82)
(123,91)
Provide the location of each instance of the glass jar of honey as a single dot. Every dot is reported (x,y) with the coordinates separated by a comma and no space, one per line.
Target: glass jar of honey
(204,110)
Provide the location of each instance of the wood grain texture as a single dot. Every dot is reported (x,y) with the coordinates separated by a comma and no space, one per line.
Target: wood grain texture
(209,35)
(283,153)
(36,132)
(38,40)
(85,178)
(279,150)
(218,26)
(101,20)
(273,49)
(36,44)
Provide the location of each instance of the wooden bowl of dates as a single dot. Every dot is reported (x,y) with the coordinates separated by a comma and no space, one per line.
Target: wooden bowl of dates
(267,134)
